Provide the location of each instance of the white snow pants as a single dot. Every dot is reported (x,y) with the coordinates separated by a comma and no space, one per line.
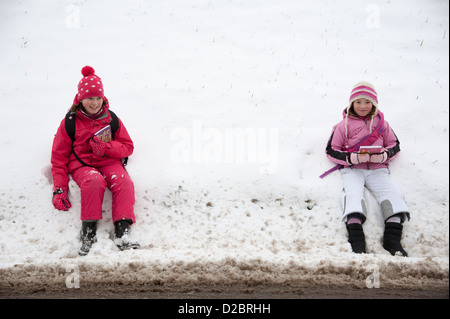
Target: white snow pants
(378,181)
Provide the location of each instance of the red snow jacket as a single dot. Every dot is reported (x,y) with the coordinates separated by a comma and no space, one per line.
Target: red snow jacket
(64,162)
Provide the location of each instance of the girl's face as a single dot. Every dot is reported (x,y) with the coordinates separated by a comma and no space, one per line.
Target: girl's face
(362,107)
(92,104)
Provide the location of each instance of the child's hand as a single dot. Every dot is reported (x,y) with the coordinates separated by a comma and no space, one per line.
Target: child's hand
(358,158)
(98,146)
(379,158)
(363,157)
(61,198)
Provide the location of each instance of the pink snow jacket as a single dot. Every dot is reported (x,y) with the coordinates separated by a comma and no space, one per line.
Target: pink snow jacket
(64,162)
(357,128)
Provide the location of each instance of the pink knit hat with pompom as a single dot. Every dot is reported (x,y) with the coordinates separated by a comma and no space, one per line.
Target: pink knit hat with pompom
(89,86)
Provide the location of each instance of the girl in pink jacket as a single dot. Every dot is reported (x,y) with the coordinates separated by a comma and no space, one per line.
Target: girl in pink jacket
(364,125)
(94,161)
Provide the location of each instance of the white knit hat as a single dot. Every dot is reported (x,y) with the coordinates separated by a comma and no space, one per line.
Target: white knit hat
(365,90)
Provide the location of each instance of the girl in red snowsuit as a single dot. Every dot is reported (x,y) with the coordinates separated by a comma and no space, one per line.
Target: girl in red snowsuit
(94,164)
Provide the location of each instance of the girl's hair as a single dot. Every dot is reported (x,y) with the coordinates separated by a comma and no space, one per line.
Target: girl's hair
(76,107)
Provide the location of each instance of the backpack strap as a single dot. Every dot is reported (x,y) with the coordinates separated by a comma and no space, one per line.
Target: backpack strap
(114,123)
(114,127)
(70,125)
(70,129)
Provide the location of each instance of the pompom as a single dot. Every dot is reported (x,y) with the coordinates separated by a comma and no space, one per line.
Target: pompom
(87,70)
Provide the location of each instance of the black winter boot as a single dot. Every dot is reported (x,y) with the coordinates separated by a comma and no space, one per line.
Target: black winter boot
(122,236)
(356,238)
(391,239)
(88,232)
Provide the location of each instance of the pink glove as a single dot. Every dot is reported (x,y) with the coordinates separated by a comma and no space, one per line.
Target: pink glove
(358,158)
(98,146)
(379,158)
(61,198)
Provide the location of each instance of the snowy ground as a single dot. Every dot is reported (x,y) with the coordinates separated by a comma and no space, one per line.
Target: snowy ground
(192,80)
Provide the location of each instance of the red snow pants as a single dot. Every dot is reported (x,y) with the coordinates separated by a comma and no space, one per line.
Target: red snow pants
(93,183)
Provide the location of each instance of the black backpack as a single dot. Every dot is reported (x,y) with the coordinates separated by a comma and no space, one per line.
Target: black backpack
(70,129)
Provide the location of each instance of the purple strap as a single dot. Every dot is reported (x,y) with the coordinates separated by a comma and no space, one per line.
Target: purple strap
(367,140)
(371,138)
(331,170)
